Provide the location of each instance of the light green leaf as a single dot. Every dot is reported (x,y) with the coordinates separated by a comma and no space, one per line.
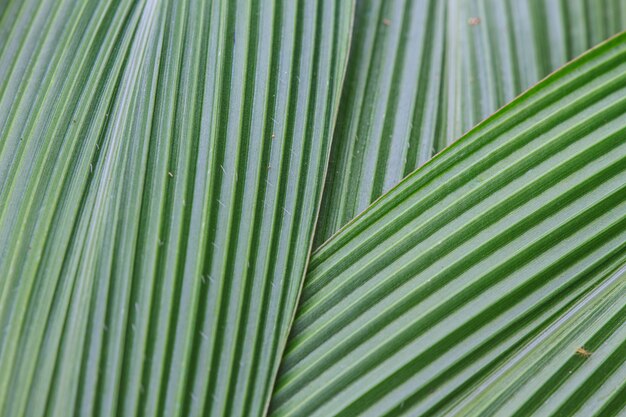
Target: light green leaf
(161,167)
(423,72)
(467,289)
(388,116)
(537,379)
(495,49)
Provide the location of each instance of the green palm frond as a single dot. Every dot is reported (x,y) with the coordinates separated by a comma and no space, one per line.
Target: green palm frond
(161,167)
(422,73)
(430,296)
(167,169)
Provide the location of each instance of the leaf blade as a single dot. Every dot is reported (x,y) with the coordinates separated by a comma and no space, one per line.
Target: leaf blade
(146,233)
(456,63)
(521,210)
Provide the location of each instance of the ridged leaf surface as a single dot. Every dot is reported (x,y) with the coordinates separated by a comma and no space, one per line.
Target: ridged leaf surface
(468,288)
(423,72)
(161,167)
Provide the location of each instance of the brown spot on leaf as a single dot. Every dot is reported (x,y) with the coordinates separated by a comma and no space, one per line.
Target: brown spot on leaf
(581,351)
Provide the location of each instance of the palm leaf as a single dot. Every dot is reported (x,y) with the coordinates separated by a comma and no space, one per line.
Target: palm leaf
(160,174)
(422,73)
(468,288)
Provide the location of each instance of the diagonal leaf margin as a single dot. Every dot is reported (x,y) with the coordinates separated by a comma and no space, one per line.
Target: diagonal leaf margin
(423,72)
(443,280)
(161,166)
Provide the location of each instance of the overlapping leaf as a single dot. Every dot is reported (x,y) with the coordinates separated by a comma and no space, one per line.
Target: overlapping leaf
(161,166)
(469,287)
(423,72)
(160,173)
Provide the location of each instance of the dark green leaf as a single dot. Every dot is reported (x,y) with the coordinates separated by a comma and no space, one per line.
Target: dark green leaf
(161,167)
(472,283)
(423,72)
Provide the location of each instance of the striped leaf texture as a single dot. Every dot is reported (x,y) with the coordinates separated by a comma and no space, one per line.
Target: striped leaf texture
(482,282)
(161,167)
(423,72)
